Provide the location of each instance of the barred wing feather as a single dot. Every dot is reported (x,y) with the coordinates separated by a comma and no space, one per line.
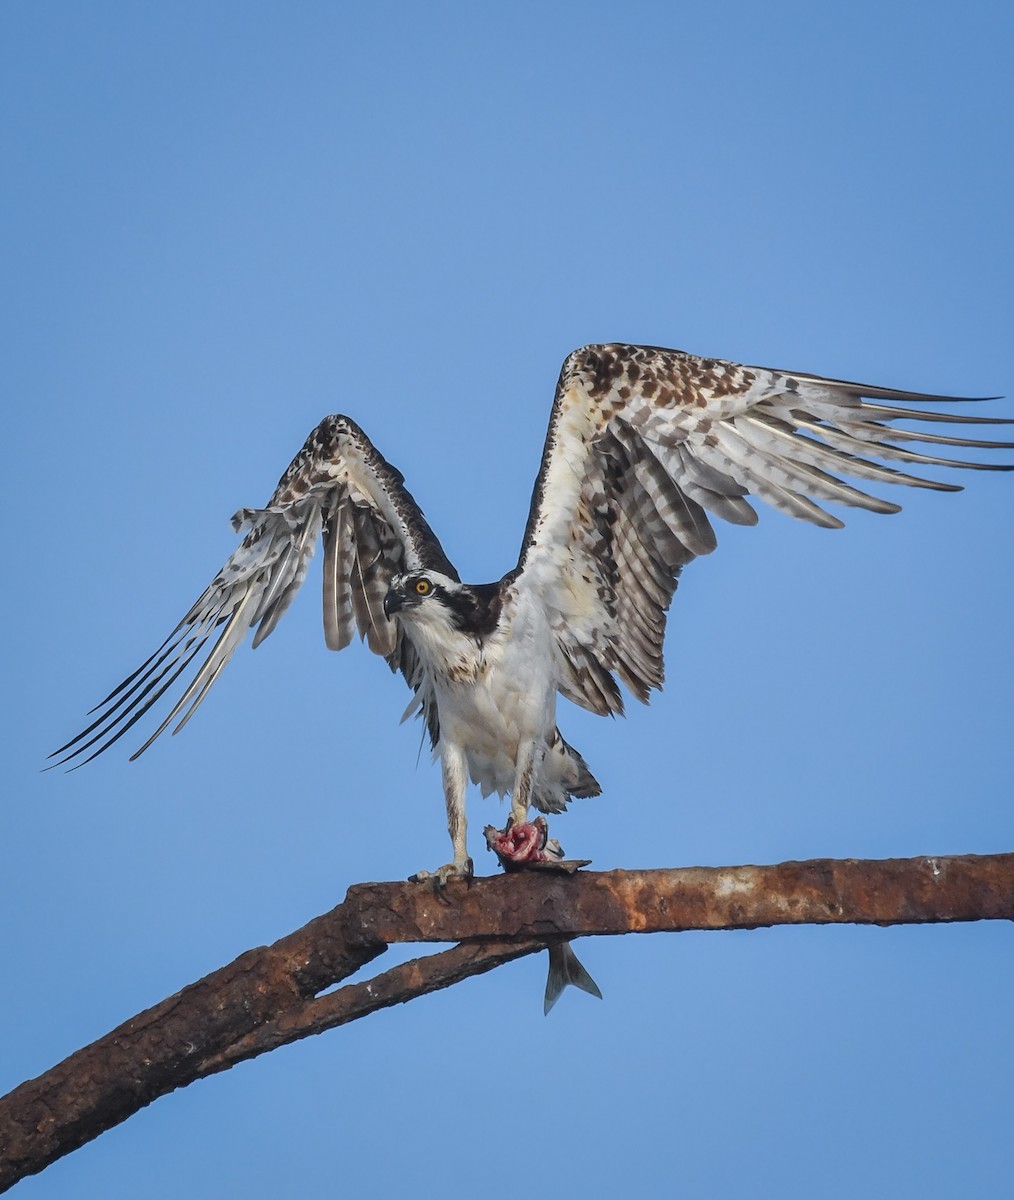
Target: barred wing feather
(646,444)
(339,488)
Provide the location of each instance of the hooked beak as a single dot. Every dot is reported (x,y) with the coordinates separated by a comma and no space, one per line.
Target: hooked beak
(392,603)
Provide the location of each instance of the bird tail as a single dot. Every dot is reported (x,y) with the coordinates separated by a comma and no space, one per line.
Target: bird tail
(585,783)
(565,968)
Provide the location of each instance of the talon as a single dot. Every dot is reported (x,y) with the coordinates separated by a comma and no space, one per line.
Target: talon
(552,850)
(439,877)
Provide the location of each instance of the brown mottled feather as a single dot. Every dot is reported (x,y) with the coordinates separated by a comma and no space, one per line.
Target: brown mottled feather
(644,443)
(339,486)
(644,446)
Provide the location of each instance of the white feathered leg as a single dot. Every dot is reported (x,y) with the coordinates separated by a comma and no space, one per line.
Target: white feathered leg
(454,770)
(526,770)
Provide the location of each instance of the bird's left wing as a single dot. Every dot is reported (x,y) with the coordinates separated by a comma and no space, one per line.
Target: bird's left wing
(338,487)
(645,444)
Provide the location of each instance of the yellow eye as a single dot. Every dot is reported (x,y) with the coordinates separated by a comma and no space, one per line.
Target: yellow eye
(422,587)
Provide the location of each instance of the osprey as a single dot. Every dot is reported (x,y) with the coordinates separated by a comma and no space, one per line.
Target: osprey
(644,446)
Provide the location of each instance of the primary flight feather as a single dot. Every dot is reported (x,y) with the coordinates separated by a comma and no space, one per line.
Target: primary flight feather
(645,446)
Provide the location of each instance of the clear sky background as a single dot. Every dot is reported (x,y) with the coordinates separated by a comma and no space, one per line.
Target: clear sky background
(222,221)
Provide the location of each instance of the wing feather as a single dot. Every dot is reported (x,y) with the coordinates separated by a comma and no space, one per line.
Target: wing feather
(339,488)
(339,552)
(714,490)
(644,443)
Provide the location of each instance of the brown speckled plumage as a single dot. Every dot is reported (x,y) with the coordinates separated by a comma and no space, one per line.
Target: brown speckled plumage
(645,445)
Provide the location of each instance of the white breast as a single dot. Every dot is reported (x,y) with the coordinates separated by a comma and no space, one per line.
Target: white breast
(508,699)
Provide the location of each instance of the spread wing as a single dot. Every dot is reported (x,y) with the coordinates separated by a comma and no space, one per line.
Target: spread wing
(339,488)
(646,444)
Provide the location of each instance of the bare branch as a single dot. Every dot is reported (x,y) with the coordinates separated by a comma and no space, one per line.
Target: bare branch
(271,996)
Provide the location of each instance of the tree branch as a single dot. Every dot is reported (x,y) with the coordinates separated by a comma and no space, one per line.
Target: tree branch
(271,996)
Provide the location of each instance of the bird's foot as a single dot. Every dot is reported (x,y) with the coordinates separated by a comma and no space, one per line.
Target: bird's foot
(439,877)
(524,845)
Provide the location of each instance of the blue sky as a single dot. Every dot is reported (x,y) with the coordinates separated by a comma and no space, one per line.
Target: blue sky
(223,221)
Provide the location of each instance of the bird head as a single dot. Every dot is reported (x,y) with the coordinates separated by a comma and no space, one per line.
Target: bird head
(417,589)
(436,603)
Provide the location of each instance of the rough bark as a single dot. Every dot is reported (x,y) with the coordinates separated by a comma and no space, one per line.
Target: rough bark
(270,996)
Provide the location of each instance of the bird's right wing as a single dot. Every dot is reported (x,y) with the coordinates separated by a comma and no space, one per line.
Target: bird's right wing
(338,487)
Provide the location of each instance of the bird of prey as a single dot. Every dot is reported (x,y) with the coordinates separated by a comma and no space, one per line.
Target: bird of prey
(645,446)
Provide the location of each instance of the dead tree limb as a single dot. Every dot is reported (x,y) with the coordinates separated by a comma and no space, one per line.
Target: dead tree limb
(271,996)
